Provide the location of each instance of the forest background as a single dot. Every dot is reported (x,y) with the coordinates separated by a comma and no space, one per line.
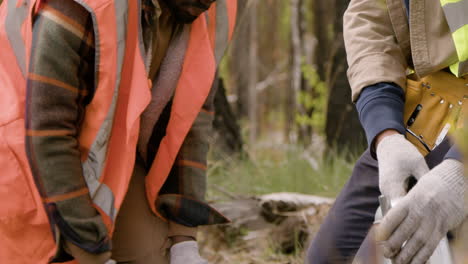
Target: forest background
(284,123)
(284,116)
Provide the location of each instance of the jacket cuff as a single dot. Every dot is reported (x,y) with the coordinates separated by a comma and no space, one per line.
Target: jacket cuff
(64,232)
(380,107)
(380,68)
(181,230)
(187,211)
(61,255)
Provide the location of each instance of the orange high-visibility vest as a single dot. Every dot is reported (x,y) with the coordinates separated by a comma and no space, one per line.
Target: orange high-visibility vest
(109,133)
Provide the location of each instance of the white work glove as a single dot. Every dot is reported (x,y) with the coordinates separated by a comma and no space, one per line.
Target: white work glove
(398,160)
(434,206)
(186,253)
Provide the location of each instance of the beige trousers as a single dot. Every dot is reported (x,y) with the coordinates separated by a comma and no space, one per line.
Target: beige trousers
(139,236)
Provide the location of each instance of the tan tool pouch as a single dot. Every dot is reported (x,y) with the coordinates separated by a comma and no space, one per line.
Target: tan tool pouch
(433,108)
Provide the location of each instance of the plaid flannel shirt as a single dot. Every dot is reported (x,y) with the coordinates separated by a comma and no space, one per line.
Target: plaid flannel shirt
(60,85)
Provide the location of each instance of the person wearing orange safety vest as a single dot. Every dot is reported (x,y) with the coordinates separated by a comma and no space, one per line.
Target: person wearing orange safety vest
(107,107)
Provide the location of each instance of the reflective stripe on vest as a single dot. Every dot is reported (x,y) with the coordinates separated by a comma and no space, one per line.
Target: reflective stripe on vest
(15,37)
(17,13)
(93,166)
(456,13)
(222,29)
(220,21)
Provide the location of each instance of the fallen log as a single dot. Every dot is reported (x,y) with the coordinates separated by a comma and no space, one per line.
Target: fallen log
(282,223)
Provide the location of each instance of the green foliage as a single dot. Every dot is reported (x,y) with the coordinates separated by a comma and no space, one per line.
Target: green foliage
(316,103)
(223,68)
(279,168)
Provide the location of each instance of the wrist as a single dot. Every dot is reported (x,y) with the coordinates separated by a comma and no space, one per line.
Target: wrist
(448,183)
(180,239)
(384,134)
(452,175)
(82,256)
(179,233)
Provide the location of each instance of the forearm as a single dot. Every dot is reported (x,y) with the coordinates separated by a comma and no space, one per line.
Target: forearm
(380,109)
(60,82)
(191,162)
(182,198)
(188,176)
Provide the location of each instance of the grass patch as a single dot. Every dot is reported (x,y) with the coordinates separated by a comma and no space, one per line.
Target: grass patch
(280,168)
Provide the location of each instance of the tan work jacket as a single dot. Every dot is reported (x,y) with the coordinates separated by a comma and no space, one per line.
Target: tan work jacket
(382,43)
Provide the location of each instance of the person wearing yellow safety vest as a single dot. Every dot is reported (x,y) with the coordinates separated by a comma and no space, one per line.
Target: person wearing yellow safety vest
(408,66)
(107,108)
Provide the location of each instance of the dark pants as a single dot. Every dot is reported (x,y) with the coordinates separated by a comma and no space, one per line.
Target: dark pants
(349,220)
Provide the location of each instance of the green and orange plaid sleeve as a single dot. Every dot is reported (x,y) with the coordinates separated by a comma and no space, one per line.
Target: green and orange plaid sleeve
(182,198)
(60,85)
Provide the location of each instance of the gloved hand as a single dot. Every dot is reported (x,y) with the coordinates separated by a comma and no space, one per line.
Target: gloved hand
(434,206)
(398,160)
(186,253)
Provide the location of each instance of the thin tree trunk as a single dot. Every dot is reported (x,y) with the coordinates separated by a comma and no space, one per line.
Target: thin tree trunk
(238,74)
(322,31)
(228,139)
(253,74)
(296,74)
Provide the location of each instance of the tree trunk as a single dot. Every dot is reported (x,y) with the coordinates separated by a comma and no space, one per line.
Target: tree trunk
(323,19)
(228,136)
(343,129)
(239,79)
(253,74)
(296,73)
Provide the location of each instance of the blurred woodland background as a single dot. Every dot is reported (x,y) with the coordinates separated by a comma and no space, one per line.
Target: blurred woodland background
(284,99)
(286,72)
(284,123)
